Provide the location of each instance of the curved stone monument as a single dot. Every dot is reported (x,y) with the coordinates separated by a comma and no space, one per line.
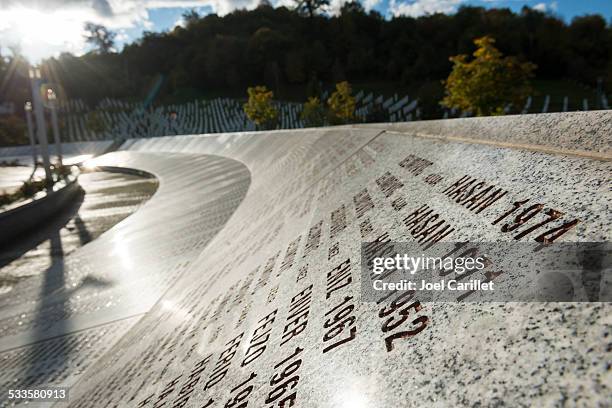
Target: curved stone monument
(245,270)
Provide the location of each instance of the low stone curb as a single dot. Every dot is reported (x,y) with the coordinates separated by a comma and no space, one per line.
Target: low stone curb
(26,217)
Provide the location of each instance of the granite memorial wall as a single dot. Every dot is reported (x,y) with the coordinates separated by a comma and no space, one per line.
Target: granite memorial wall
(267,309)
(270,312)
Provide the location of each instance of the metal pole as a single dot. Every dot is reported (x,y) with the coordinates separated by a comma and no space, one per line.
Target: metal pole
(41,129)
(28,112)
(52,98)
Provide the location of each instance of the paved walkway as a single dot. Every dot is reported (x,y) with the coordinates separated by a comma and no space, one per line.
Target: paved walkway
(106,200)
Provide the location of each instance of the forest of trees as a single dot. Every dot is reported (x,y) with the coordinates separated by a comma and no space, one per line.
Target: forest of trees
(280,48)
(288,49)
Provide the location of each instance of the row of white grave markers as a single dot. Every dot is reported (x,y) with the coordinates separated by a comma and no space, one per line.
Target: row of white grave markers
(121,119)
(528,107)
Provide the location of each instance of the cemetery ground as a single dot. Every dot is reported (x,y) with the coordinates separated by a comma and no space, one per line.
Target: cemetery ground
(428,91)
(115,119)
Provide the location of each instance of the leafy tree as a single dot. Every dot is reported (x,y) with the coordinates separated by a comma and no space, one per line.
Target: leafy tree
(310,7)
(101,38)
(489,82)
(294,67)
(190,17)
(94,122)
(313,113)
(341,104)
(259,108)
(591,47)
(222,55)
(313,87)
(338,71)
(12,131)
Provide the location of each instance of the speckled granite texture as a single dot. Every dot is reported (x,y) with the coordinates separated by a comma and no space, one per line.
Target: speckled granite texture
(269,313)
(575,132)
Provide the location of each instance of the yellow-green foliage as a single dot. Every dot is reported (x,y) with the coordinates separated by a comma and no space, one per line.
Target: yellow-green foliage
(489,82)
(94,122)
(341,104)
(259,108)
(313,113)
(28,189)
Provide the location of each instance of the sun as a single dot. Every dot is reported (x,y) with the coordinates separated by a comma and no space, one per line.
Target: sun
(40,34)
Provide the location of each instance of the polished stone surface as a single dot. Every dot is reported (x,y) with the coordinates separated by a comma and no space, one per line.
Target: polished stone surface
(582,133)
(123,272)
(252,246)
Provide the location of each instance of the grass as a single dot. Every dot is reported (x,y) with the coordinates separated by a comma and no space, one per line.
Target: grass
(558,89)
(10,163)
(27,190)
(31,187)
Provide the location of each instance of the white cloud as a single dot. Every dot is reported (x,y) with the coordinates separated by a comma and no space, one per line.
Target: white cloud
(220,7)
(122,36)
(42,29)
(370,4)
(416,8)
(543,7)
(335,6)
(284,3)
(180,22)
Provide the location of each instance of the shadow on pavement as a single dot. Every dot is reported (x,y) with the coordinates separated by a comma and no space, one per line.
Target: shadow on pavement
(26,242)
(38,373)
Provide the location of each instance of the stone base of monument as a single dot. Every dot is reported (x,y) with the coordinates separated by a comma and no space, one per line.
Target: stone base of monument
(247,266)
(27,215)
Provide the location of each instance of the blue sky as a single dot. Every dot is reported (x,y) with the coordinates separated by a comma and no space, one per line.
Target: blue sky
(57,26)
